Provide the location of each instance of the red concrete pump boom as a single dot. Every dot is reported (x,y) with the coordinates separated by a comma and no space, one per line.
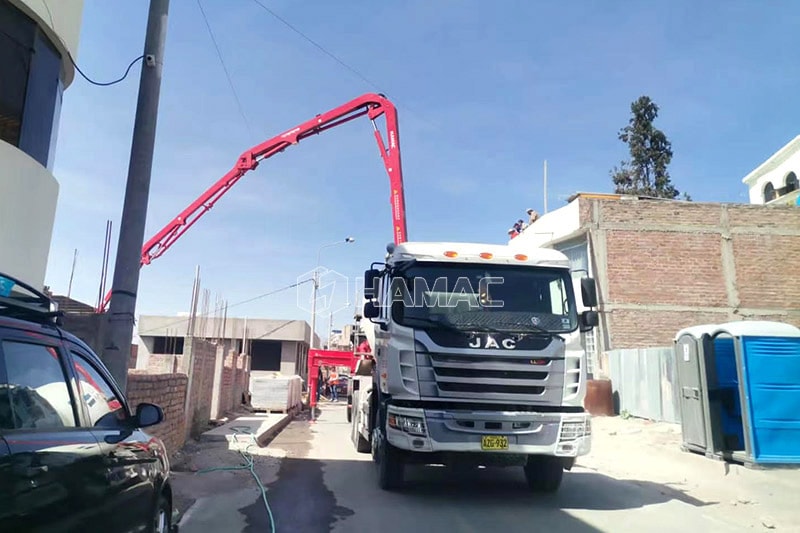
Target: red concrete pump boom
(372,105)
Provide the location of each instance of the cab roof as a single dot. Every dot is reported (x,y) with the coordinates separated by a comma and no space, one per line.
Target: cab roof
(468,252)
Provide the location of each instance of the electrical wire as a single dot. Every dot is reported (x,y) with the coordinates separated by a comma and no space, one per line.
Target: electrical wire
(343,63)
(225,68)
(249,465)
(100,83)
(74,64)
(318,46)
(270,293)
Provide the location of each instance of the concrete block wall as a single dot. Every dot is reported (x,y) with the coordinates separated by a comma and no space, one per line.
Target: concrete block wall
(168,391)
(664,265)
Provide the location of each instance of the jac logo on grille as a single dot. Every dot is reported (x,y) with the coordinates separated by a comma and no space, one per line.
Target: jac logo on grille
(489,342)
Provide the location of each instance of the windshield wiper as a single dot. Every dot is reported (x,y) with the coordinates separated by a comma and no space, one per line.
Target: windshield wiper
(521,334)
(438,322)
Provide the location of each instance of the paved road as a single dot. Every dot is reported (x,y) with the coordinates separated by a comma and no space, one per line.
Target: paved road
(318,483)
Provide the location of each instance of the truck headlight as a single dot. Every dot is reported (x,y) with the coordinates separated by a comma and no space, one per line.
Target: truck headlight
(572,430)
(407,424)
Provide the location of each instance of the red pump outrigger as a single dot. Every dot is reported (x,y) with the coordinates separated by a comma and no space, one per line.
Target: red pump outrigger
(371,105)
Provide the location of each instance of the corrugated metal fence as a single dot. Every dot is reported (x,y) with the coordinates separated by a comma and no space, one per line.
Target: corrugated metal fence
(644,383)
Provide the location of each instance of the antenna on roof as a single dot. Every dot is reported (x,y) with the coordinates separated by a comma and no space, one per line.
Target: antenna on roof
(545,185)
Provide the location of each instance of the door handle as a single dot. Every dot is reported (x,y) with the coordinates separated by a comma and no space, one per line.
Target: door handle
(33,471)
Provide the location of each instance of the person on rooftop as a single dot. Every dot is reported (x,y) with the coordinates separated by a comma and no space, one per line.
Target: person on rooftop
(533,216)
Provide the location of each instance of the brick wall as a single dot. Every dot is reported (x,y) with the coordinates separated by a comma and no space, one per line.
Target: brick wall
(664,265)
(168,391)
(202,354)
(164,364)
(134,356)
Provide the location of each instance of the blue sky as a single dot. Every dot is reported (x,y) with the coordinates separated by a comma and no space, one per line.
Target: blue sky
(484,97)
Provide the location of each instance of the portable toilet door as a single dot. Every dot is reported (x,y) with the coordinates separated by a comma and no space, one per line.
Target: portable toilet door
(693,392)
(768,367)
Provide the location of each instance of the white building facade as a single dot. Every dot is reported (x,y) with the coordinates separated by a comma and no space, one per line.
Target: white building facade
(37,38)
(776,180)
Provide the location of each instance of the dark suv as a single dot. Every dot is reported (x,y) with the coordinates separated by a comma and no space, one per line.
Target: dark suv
(72,456)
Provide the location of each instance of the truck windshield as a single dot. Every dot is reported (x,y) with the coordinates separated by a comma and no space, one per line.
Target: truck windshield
(507,298)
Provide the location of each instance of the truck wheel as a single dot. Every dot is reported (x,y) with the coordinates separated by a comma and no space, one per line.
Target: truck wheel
(544,473)
(391,469)
(349,408)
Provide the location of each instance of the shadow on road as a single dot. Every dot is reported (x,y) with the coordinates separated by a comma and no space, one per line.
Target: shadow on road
(581,489)
(468,501)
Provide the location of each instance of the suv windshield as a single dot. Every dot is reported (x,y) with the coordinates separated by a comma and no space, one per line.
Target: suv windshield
(507,298)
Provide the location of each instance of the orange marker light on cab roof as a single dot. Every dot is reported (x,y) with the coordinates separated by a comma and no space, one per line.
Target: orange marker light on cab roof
(521,257)
(451,254)
(486,255)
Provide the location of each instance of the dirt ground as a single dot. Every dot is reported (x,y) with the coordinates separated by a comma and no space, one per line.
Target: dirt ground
(635,478)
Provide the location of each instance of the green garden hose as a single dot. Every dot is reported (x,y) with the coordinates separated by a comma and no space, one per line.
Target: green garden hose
(249,464)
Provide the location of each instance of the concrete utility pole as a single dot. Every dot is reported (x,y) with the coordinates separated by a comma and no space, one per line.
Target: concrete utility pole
(120,316)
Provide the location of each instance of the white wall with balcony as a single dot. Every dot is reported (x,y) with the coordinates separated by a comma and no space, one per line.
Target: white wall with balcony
(777,180)
(36,39)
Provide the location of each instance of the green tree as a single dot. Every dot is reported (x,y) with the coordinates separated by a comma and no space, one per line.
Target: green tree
(646,173)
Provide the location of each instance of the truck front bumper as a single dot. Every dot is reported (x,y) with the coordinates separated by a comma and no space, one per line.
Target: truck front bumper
(428,430)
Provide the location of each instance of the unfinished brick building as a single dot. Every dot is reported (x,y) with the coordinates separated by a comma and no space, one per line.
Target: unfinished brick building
(662,265)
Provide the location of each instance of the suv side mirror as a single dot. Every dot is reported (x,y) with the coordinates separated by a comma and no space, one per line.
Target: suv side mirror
(589,292)
(371,310)
(148,414)
(369,283)
(588,320)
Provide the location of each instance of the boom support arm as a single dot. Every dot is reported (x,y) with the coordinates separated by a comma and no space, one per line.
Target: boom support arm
(371,105)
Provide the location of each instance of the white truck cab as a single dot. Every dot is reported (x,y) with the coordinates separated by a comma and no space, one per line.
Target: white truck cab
(478,361)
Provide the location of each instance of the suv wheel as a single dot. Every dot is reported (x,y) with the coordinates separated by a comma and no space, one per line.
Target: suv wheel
(162,521)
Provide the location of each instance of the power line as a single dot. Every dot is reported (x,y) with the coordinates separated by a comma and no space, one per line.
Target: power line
(341,62)
(225,68)
(318,46)
(270,293)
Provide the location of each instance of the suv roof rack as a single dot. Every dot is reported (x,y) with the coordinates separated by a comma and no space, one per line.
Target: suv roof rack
(20,300)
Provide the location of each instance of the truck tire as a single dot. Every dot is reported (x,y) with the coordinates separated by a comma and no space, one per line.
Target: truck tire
(391,468)
(544,473)
(349,408)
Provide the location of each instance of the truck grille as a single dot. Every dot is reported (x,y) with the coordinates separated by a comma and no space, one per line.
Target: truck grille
(491,377)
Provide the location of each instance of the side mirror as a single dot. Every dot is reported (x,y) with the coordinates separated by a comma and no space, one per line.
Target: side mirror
(589,292)
(148,415)
(369,282)
(371,310)
(588,320)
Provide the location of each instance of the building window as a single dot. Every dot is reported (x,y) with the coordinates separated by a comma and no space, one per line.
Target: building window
(31,88)
(769,193)
(578,255)
(791,182)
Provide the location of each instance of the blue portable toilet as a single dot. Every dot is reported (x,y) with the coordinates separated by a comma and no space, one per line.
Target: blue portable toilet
(739,391)
(757,373)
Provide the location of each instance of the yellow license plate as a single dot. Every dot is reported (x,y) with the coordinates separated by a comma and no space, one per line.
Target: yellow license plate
(494,442)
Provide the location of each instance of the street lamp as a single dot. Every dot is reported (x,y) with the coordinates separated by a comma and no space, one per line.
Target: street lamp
(316,287)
